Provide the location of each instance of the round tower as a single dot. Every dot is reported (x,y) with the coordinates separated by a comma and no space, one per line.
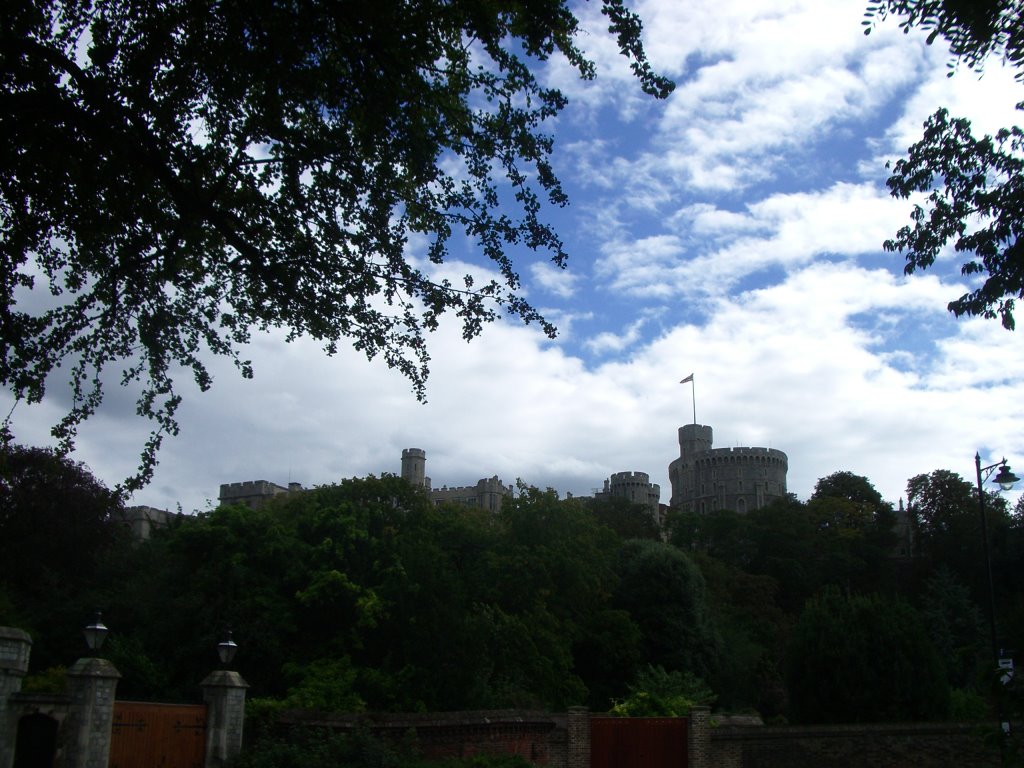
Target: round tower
(705,479)
(694,439)
(414,466)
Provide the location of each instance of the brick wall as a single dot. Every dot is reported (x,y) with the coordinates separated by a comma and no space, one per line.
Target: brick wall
(936,745)
(539,737)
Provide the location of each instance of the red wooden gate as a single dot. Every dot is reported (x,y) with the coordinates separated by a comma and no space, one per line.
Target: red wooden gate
(638,742)
(147,735)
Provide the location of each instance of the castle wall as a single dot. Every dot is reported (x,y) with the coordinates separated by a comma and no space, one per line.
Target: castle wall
(141,520)
(486,494)
(254,493)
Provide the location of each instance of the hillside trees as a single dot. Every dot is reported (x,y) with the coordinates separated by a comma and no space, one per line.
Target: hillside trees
(864,659)
(176,176)
(365,595)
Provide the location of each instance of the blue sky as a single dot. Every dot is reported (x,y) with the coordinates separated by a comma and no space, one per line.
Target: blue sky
(733,231)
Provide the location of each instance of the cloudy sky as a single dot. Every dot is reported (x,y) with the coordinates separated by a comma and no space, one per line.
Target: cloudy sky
(732,231)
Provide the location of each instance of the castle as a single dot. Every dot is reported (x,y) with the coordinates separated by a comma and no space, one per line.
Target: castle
(705,479)
(487,493)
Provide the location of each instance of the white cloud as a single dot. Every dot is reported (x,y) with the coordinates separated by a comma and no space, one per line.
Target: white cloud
(988,102)
(559,282)
(717,249)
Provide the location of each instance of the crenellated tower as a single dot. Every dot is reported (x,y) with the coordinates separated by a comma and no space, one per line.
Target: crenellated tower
(705,479)
(414,467)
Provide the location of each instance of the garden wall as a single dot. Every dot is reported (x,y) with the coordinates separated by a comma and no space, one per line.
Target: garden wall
(539,737)
(936,745)
(563,740)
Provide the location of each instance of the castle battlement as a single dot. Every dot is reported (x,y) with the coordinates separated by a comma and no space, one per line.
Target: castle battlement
(725,455)
(248,487)
(630,477)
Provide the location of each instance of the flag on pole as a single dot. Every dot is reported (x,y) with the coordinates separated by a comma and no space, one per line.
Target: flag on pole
(689,380)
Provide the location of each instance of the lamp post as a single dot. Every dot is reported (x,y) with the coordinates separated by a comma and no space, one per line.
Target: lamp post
(95,633)
(1005,479)
(226,649)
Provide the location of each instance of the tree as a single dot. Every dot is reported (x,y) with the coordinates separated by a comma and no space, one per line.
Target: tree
(628,519)
(975,197)
(956,627)
(857,528)
(665,594)
(846,485)
(176,176)
(967,180)
(57,525)
(864,659)
(974,29)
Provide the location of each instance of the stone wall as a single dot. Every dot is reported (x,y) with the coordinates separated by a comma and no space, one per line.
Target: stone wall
(539,737)
(936,745)
(542,738)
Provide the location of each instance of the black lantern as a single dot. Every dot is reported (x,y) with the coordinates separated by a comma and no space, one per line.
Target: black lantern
(226,649)
(95,633)
(1005,479)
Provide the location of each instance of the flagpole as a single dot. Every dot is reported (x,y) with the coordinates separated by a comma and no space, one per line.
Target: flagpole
(689,380)
(693,391)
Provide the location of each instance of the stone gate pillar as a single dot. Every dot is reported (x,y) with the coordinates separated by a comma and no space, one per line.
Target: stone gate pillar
(224,694)
(699,742)
(85,736)
(15,647)
(578,737)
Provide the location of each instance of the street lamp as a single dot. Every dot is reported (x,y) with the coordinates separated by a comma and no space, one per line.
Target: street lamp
(1005,480)
(95,633)
(226,649)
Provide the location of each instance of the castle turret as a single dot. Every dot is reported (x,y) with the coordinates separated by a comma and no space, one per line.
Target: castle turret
(694,439)
(414,467)
(637,488)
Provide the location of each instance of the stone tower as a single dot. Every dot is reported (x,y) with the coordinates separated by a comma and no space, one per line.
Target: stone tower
(705,479)
(635,487)
(414,467)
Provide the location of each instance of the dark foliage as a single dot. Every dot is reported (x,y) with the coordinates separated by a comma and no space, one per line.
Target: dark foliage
(864,659)
(58,526)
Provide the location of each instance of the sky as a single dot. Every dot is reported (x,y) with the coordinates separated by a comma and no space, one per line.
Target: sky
(733,231)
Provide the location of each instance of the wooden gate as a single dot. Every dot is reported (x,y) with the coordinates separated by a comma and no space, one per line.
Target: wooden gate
(638,742)
(147,735)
